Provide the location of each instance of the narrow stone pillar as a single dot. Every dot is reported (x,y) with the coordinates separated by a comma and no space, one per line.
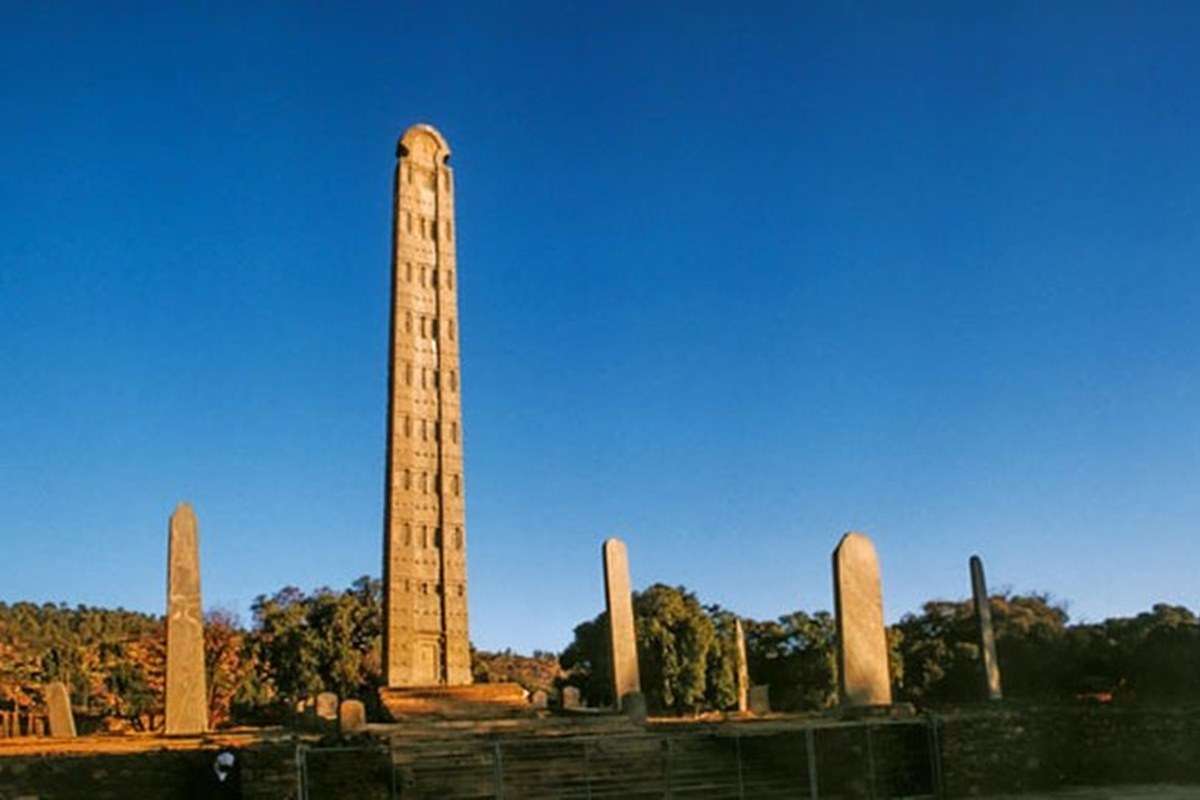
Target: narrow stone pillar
(187,695)
(863,677)
(743,667)
(622,639)
(987,636)
(58,709)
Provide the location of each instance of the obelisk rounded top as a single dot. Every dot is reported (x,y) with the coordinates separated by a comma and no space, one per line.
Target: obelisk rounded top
(423,142)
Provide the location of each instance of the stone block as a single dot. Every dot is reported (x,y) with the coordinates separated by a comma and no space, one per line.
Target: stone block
(570,697)
(633,705)
(476,701)
(352,716)
(327,707)
(539,699)
(863,676)
(760,699)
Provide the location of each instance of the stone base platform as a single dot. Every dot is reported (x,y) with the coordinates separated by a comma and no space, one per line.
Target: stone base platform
(474,701)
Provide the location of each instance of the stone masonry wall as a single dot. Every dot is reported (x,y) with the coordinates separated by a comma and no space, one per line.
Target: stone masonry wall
(1019,749)
(984,751)
(267,772)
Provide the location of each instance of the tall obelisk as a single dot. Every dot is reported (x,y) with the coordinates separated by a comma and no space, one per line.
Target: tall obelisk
(425,638)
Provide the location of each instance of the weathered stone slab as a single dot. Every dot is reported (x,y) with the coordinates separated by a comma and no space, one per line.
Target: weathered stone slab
(633,705)
(987,636)
(327,706)
(622,639)
(570,697)
(743,667)
(352,716)
(187,694)
(539,699)
(58,705)
(327,709)
(760,699)
(863,676)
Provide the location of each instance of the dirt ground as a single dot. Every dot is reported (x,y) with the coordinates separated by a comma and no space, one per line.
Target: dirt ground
(1160,791)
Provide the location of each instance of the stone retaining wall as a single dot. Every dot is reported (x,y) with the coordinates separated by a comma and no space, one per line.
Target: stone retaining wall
(1014,749)
(984,751)
(267,772)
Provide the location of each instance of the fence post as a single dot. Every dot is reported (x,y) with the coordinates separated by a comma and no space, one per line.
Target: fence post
(301,783)
(498,770)
(810,747)
(935,757)
(667,766)
(737,745)
(392,768)
(587,768)
(874,789)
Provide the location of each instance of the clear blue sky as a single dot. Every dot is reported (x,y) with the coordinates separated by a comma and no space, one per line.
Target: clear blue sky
(734,279)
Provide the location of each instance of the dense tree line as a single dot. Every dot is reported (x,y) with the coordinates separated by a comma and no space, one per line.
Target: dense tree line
(299,643)
(685,650)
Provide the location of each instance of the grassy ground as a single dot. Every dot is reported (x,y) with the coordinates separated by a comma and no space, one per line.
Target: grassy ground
(1155,792)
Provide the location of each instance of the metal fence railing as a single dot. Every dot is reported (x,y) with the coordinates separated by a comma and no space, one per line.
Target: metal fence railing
(874,760)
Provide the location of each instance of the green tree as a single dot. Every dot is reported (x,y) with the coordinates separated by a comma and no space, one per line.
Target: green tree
(938,652)
(678,651)
(675,637)
(721,666)
(588,663)
(795,655)
(326,641)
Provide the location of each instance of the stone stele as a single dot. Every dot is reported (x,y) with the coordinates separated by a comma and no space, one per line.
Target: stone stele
(352,716)
(622,641)
(327,706)
(187,695)
(760,699)
(863,677)
(425,640)
(58,704)
(570,697)
(743,668)
(987,636)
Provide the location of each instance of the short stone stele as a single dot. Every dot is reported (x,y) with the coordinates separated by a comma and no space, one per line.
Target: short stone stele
(863,677)
(327,706)
(987,637)
(352,716)
(622,641)
(539,699)
(760,699)
(58,704)
(187,695)
(570,697)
